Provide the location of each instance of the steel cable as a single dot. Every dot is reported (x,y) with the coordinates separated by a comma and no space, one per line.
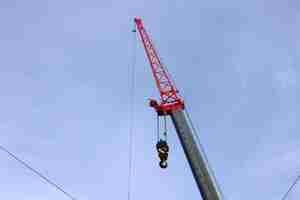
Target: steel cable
(52,183)
(291,188)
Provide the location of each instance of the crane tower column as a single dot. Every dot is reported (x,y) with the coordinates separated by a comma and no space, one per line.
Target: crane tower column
(195,158)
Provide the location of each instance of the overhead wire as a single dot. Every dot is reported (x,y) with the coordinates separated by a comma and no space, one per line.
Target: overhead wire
(131,113)
(291,188)
(39,174)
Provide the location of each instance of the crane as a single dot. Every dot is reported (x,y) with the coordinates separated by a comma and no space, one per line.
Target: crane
(171,104)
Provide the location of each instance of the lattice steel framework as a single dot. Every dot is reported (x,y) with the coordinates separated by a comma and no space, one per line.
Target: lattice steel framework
(168,93)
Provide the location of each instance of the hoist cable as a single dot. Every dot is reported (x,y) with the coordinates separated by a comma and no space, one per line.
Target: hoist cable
(46,179)
(291,188)
(158,127)
(165,128)
(164,134)
(131,112)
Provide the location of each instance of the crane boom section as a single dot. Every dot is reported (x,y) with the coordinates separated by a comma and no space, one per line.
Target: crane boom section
(163,82)
(196,158)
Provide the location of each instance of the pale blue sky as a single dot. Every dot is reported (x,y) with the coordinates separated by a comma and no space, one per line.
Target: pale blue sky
(64,82)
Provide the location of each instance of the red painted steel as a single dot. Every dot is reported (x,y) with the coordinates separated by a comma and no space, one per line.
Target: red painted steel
(168,93)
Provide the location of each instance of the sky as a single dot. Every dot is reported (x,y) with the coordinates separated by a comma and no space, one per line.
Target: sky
(65,74)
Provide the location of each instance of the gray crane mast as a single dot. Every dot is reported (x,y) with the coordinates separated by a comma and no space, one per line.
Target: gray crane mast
(200,169)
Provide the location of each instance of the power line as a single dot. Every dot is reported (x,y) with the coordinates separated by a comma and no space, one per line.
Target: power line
(291,187)
(52,183)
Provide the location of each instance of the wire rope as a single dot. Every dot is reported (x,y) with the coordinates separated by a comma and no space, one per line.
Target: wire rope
(291,188)
(29,167)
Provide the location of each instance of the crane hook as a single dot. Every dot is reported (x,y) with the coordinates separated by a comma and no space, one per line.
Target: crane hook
(163,164)
(162,150)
